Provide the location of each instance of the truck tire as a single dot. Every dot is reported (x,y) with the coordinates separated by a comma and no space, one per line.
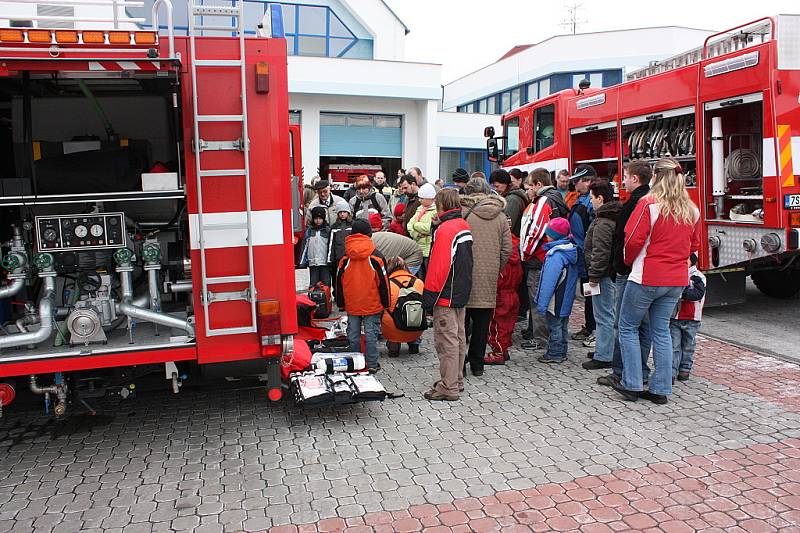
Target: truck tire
(777,284)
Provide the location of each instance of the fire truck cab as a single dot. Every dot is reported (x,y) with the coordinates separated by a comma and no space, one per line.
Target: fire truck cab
(728,113)
(147,203)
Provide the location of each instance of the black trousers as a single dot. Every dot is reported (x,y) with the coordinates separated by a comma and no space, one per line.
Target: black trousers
(477,327)
(522,292)
(588,312)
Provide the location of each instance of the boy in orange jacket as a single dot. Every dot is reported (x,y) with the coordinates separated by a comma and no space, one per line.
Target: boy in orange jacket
(362,291)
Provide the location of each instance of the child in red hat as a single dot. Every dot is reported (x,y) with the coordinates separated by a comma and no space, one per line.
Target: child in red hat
(397,225)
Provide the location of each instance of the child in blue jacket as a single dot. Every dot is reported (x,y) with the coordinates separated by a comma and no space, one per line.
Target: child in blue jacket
(557,287)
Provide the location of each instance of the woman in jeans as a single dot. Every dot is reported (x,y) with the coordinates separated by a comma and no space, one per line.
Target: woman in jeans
(659,237)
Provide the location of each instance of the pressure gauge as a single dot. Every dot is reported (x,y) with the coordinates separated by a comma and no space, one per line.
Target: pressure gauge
(81,231)
(50,235)
(96,230)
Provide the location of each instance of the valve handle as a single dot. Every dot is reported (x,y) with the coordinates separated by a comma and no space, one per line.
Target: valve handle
(11,262)
(123,256)
(43,260)
(151,253)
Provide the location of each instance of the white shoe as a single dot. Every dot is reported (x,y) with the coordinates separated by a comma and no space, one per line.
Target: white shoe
(590,341)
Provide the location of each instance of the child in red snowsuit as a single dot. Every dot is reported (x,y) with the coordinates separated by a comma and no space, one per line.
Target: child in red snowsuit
(505,312)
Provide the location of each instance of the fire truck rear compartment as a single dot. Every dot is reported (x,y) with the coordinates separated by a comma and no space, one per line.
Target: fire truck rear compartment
(93,220)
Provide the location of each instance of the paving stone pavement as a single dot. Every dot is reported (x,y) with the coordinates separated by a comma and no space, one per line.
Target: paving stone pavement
(522,437)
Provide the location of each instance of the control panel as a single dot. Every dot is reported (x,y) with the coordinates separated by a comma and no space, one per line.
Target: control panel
(80,232)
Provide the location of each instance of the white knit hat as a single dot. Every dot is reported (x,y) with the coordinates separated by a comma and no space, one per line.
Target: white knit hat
(427,192)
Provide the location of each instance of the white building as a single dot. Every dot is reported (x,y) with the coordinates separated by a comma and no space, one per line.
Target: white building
(359,101)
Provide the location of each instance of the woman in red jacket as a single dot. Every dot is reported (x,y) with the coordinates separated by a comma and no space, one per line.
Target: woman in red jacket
(659,237)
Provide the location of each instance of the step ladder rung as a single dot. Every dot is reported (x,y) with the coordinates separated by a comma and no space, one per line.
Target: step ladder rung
(224,226)
(219,118)
(228,279)
(230,29)
(223,172)
(215,11)
(218,62)
(230,331)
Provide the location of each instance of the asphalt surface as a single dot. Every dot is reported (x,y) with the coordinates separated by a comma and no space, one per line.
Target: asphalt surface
(762,324)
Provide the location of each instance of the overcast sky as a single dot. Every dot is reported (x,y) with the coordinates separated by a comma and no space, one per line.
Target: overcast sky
(464,35)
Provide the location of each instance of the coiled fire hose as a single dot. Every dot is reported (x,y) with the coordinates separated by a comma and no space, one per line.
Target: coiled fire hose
(742,164)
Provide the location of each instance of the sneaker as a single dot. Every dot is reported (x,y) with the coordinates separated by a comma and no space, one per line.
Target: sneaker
(532,345)
(627,395)
(683,375)
(596,365)
(494,359)
(590,341)
(436,396)
(527,334)
(581,335)
(655,398)
(413,349)
(551,360)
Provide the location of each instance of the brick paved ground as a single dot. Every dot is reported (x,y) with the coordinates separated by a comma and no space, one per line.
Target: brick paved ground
(529,447)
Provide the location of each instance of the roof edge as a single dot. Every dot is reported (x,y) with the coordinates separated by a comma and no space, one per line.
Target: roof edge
(396,16)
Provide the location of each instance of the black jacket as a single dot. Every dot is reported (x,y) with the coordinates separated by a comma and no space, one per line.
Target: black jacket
(619,233)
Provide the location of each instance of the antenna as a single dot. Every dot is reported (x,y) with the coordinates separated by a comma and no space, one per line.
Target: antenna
(572,21)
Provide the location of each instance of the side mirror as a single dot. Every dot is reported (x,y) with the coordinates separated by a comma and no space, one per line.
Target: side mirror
(492,150)
(488,132)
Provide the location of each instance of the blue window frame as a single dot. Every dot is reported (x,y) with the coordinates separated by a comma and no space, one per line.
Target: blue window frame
(313,30)
(470,159)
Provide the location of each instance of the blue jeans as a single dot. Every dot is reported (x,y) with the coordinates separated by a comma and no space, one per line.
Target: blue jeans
(684,333)
(558,338)
(659,304)
(603,305)
(372,328)
(644,333)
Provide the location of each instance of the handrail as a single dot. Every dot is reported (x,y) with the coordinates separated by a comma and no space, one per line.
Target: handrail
(748,24)
(170,28)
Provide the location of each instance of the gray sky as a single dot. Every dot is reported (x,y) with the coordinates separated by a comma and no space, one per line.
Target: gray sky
(464,35)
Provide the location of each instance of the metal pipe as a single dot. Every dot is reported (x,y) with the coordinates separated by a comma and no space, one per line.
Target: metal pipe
(36,389)
(183,285)
(157,318)
(12,288)
(46,306)
(170,30)
(126,307)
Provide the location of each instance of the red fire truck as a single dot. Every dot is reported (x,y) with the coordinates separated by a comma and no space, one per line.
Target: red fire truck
(146,203)
(342,176)
(729,112)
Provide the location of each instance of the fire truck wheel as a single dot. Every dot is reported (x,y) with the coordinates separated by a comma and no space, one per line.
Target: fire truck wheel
(778,284)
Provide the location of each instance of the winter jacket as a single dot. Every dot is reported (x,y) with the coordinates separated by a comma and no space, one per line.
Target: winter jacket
(657,247)
(420,227)
(619,233)
(559,278)
(315,247)
(375,201)
(394,245)
(387,191)
(412,204)
(690,306)
(548,204)
(361,285)
(448,280)
(339,232)
(397,227)
(599,243)
(580,218)
(491,246)
(388,329)
(333,205)
(516,202)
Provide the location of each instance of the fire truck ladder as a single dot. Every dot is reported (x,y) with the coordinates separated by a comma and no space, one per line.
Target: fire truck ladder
(233,14)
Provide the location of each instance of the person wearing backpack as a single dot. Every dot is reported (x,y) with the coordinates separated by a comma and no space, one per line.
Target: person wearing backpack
(405,320)
(366,198)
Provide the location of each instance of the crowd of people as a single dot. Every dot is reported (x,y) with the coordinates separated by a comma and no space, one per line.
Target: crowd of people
(474,258)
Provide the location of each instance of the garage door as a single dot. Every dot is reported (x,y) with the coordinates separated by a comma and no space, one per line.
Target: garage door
(355,135)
